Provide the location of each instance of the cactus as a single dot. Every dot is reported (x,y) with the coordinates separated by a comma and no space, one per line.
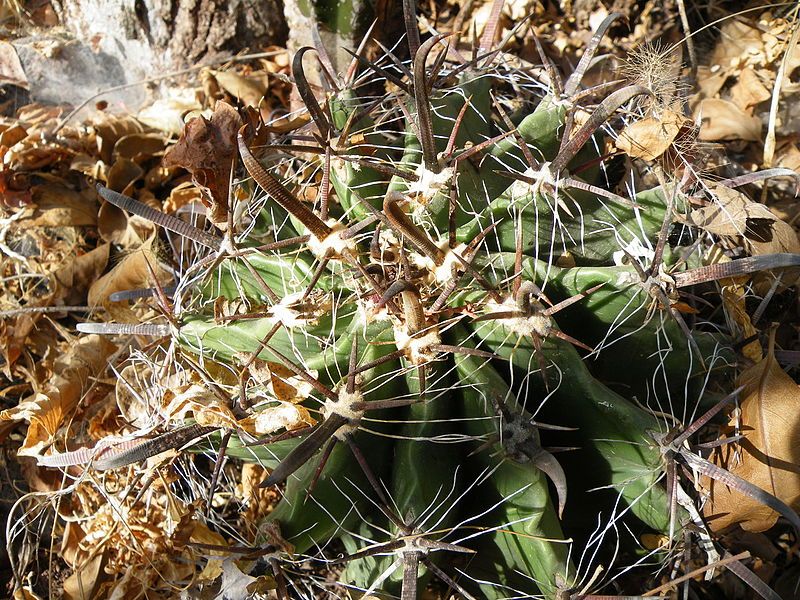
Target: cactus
(462,277)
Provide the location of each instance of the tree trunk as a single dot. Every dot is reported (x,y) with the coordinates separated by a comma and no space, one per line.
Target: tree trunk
(126,41)
(150,37)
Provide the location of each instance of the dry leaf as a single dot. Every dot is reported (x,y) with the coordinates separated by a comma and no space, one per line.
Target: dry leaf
(13,340)
(201,534)
(280,382)
(15,191)
(250,89)
(277,377)
(74,278)
(139,146)
(769,451)
(709,82)
(235,583)
(789,157)
(651,137)
(82,584)
(196,401)
(24,593)
(89,166)
(122,174)
(59,206)
(734,214)
(133,272)
(118,227)
(723,120)
(114,224)
(748,91)
(287,123)
(11,70)
(11,135)
(275,418)
(738,41)
(733,300)
(181,195)
(45,410)
(207,149)
(39,115)
(70,542)
(109,129)
(731,214)
(132,394)
(784,239)
(166,114)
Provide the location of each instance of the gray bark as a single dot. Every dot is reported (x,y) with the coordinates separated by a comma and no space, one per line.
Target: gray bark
(139,39)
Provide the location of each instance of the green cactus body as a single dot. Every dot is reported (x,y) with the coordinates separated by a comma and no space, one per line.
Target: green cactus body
(474,128)
(430,277)
(310,519)
(285,275)
(353,181)
(529,537)
(590,235)
(267,456)
(424,482)
(624,316)
(614,427)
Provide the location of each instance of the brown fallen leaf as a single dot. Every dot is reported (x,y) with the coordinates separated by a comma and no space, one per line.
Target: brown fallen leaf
(280,381)
(195,400)
(11,70)
(250,89)
(783,239)
(770,450)
(15,191)
(207,149)
(46,409)
(74,278)
(733,214)
(138,146)
(110,129)
(118,227)
(740,40)
(287,123)
(258,501)
(122,174)
(733,296)
(710,81)
(748,91)
(283,416)
(12,134)
(131,395)
(788,157)
(166,114)
(114,224)
(723,120)
(181,195)
(85,579)
(201,534)
(651,137)
(132,272)
(25,593)
(60,206)
(145,546)
(14,340)
(39,116)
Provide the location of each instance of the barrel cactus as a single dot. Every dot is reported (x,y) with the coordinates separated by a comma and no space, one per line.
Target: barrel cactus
(435,269)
